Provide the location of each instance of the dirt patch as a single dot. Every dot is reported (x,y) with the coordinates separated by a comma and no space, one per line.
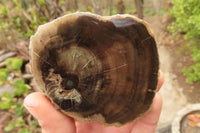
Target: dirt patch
(181,59)
(175,91)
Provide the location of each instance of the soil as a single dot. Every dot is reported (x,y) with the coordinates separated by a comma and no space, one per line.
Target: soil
(176,92)
(178,59)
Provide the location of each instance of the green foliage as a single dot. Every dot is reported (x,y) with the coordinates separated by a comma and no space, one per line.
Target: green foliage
(186,13)
(187,21)
(34,123)
(68,12)
(3,75)
(42,2)
(24,130)
(114,10)
(90,9)
(18,4)
(6,101)
(9,38)
(19,109)
(130,9)
(3,12)
(23,18)
(10,126)
(193,71)
(62,2)
(12,101)
(18,22)
(162,11)
(9,102)
(14,64)
(36,20)
(21,87)
(149,11)
(19,122)
(4,26)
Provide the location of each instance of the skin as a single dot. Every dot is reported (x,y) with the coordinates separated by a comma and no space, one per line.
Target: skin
(53,121)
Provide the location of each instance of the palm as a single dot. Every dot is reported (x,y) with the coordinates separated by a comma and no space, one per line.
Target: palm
(98,128)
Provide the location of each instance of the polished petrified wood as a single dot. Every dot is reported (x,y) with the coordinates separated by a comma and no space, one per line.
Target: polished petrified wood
(96,68)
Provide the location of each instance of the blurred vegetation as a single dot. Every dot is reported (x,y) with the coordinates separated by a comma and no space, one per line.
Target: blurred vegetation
(187,22)
(20,18)
(12,102)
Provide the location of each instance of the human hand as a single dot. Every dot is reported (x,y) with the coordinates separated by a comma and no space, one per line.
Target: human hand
(53,121)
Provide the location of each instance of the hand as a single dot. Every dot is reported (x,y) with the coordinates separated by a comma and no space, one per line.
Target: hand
(53,121)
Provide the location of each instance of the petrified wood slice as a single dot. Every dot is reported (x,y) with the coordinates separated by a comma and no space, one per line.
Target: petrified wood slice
(96,68)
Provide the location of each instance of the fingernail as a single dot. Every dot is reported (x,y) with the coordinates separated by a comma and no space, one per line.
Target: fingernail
(30,102)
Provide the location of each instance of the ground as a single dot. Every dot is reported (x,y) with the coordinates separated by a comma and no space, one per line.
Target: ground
(176,93)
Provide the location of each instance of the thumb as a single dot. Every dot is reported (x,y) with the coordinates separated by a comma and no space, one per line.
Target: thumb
(50,119)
